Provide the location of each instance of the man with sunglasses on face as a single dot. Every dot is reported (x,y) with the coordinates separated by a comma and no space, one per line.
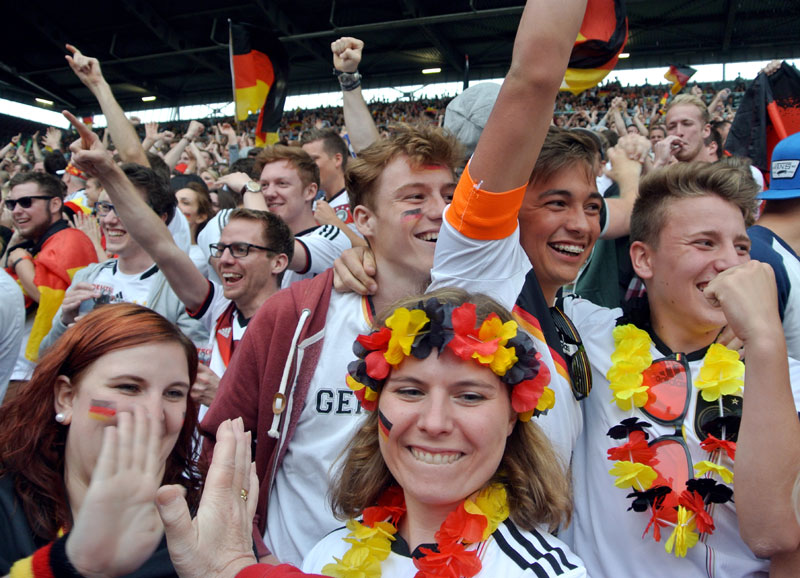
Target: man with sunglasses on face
(43,256)
(250,257)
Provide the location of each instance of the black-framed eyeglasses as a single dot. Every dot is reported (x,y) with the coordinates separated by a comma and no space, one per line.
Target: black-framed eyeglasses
(102,208)
(238,250)
(24,202)
(580,371)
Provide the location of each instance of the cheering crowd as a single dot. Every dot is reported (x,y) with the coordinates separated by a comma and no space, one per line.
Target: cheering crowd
(513,333)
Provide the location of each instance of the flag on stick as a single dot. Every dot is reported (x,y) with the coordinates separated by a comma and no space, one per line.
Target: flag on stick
(679,75)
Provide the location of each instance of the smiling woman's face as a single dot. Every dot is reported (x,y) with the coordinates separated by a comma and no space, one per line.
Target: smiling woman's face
(150,376)
(447,423)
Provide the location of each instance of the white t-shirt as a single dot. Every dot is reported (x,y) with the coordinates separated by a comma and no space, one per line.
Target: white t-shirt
(199,259)
(118,287)
(508,553)
(607,536)
(498,269)
(299,514)
(12,327)
(181,233)
(322,246)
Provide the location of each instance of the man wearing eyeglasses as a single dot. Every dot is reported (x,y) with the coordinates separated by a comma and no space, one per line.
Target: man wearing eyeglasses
(131,277)
(43,256)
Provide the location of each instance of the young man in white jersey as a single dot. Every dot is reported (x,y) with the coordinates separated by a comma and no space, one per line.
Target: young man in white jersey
(133,276)
(250,257)
(287,381)
(691,249)
(288,183)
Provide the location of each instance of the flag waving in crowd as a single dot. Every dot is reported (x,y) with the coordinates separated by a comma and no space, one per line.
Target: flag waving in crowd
(260,70)
(603,34)
(679,75)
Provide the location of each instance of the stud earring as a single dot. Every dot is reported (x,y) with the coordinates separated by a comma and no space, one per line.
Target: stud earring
(60,417)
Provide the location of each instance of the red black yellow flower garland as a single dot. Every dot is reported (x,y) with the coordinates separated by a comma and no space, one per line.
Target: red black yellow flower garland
(502,347)
(474,520)
(635,461)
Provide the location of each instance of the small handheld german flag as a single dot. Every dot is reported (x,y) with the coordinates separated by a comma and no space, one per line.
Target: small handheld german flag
(679,75)
(603,34)
(260,72)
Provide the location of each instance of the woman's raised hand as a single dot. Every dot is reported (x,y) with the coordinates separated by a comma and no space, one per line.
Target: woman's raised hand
(117,527)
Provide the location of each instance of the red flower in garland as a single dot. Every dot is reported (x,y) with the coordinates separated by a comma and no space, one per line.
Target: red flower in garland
(712,443)
(461,526)
(452,561)
(392,504)
(636,450)
(663,514)
(377,343)
(694,502)
(465,335)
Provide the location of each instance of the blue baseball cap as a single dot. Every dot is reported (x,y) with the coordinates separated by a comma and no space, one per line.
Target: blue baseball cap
(784,173)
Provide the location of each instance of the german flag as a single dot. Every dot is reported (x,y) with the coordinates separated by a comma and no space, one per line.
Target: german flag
(602,37)
(767,114)
(260,71)
(679,75)
(63,253)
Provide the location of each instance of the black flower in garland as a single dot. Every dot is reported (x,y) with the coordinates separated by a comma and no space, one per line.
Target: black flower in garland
(711,490)
(652,497)
(626,426)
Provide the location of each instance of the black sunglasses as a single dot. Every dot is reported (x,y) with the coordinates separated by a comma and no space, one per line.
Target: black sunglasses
(24,202)
(580,372)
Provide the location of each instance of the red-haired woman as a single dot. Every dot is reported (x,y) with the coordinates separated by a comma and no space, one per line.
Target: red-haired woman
(105,420)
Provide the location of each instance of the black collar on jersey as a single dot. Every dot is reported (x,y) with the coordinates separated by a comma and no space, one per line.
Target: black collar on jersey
(343,191)
(637,311)
(148,273)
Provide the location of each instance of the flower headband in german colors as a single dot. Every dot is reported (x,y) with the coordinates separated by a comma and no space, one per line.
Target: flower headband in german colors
(502,347)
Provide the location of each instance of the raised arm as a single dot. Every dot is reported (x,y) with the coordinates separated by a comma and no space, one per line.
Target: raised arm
(627,160)
(122,132)
(360,126)
(517,126)
(140,220)
(768,446)
(174,154)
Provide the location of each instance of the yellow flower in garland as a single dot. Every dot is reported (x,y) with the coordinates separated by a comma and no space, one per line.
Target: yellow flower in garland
(633,475)
(405,326)
(722,373)
(632,345)
(683,536)
(547,400)
(492,503)
(630,358)
(628,390)
(705,466)
(357,562)
(501,360)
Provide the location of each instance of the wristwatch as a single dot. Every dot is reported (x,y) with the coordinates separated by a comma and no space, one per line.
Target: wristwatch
(251,187)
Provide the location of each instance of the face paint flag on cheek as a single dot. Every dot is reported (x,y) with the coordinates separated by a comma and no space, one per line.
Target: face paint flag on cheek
(412,215)
(102,410)
(384,425)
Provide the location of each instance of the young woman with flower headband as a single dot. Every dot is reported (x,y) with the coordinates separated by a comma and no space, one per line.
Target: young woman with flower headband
(447,474)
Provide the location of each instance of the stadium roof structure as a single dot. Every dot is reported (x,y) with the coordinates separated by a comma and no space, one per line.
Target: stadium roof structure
(177,50)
